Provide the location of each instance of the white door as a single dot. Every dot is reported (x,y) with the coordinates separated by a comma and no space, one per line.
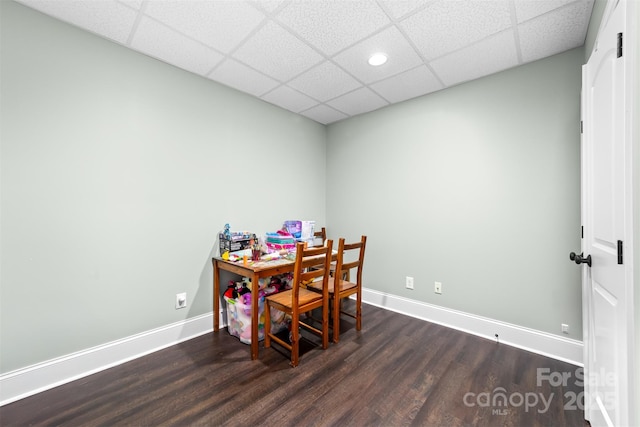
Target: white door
(606,293)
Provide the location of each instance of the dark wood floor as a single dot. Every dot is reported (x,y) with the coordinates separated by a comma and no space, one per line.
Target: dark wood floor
(397,371)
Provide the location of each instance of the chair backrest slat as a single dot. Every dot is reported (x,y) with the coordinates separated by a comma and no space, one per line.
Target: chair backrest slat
(321,234)
(318,257)
(345,266)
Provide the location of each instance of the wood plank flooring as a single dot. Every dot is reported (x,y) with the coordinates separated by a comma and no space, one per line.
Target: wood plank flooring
(398,371)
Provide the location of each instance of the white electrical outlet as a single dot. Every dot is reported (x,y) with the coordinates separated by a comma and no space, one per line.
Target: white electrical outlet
(409,282)
(565,328)
(438,288)
(181,300)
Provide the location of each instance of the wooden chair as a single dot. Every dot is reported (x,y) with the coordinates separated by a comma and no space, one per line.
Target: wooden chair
(341,287)
(322,235)
(299,299)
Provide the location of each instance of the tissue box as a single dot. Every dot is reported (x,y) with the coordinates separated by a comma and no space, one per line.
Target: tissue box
(308,228)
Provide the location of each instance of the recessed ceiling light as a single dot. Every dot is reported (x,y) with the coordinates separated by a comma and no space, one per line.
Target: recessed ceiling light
(377,59)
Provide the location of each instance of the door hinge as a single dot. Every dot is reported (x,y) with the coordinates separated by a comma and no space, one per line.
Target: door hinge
(619,251)
(582,232)
(581,126)
(619,45)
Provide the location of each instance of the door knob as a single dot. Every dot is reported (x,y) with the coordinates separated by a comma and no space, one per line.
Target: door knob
(579,259)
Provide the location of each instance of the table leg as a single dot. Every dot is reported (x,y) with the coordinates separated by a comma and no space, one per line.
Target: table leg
(216,296)
(255,287)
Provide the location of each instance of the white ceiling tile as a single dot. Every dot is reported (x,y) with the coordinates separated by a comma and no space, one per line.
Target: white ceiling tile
(136,4)
(290,99)
(410,84)
(268,6)
(324,82)
(159,41)
(219,24)
(333,25)
(278,53)
(239,76)
(401,56)
(555,32)
(489,56)
(399,8)
(448,25)
(107,18)
(357,102)
(300,53)
(324,114)
(527,9)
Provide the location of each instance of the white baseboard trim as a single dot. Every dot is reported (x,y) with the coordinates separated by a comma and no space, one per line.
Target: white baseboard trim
(43,376)
(554,346)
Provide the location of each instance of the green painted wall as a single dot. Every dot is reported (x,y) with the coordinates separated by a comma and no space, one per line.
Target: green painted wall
(117,173)
(477,187)
(635,22)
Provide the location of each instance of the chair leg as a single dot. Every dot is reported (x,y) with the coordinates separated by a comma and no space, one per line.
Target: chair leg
(359,312)
(267,325)
(325,326)
(336,318)
(295,340)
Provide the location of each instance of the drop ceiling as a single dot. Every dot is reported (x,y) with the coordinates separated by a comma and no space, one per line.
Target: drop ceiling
(310,56)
